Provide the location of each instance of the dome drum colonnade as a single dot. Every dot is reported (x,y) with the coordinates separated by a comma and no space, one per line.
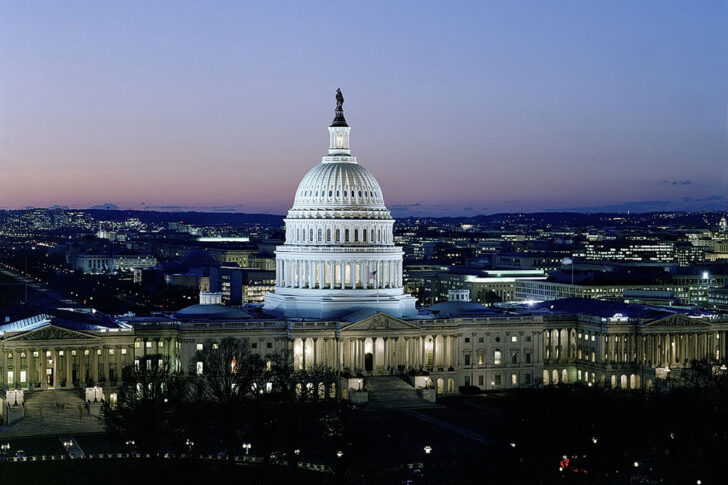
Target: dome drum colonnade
(339,255)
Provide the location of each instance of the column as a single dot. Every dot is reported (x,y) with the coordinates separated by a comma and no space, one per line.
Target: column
(423,356)
(69,376)
(434,351)
(375,361)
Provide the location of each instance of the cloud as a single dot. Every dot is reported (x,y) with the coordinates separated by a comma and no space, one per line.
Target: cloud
(404,207)
(710,198)
(677,182)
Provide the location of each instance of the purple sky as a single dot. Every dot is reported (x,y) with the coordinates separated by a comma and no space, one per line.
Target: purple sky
(457,108)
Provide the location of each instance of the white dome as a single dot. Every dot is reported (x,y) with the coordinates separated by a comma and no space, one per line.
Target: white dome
(339,255)
(342,186)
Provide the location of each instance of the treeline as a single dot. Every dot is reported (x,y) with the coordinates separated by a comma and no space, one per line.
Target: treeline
(231,396)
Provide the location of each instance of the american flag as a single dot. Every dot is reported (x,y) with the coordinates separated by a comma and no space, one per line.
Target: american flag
(372,275)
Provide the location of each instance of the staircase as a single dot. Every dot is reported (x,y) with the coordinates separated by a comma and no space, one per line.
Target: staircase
(53,413)
(393,392)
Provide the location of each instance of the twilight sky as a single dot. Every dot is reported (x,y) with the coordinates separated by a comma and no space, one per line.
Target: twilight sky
(456,107)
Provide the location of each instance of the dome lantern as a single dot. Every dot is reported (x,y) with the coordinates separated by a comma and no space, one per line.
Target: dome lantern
(339,129)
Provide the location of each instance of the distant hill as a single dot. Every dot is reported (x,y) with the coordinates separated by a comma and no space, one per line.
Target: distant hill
(194,218)
(107,206)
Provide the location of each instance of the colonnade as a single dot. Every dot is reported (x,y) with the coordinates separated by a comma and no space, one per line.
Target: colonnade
(657,349)
(389,355)
(57,367)
(323,274)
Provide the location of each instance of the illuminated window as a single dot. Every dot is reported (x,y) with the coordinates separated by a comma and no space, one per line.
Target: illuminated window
(497,356)
(149,345)
(136,345)
(514,338)
(514,379)
(111,351)
(86,352)
(199,346)
(160,344)
(123,351)
(215,346)
(35,353)
(60,353)
(199,368)
(98,352)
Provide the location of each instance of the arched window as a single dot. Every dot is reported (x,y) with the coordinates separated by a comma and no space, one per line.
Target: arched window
(298,235)
(328,235)
(352,194)
(320,234)
(310,235)
(338,235)
(356,235)
(346,235)
(364,235)
(330,193)
(379,235)
(371,238)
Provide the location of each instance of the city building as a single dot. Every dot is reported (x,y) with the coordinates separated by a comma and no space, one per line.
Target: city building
(338,301)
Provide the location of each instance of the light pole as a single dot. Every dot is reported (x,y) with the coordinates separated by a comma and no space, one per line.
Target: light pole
(5,448)
(246,447)
(67,444)
(190,444)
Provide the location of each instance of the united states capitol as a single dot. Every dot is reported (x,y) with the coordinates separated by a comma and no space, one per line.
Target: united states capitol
(339,301)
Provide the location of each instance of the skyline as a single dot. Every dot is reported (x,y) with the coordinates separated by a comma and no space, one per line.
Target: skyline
(508,109)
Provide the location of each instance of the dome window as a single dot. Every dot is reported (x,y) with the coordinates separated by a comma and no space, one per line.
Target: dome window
(360,193)
(352,194)
(338,235)
(328,235)
(330,193)
(320,235)
(338,194)
(310,235)
(364,235)
(346,235)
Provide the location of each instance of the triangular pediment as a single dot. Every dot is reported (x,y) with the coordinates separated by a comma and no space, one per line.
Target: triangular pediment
(52,332)
(380,321)
(677,321)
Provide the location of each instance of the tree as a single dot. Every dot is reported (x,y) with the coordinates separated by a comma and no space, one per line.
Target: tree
(228,375)
(147,404)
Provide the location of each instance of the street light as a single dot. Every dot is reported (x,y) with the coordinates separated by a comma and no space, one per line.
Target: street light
(190,444)
(246,447)
(428,449)
(67,445)
(339,454)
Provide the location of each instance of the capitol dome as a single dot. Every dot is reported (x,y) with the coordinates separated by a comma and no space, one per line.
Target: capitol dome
(339,255)
(339,189)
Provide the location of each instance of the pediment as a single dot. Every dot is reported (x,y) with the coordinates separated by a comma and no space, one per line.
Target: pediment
(678,321)
(52,332)
(380,321)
